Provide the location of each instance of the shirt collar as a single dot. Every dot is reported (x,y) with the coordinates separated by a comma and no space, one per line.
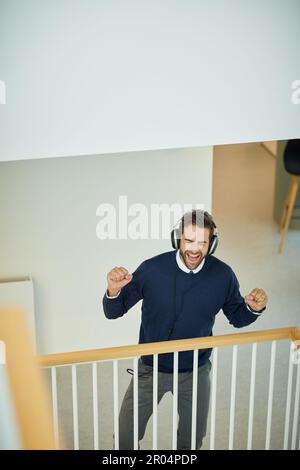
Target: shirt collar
(184,268)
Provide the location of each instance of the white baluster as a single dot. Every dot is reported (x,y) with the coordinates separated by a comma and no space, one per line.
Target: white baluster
(288,401)
(155,398)
(75,407)
(270,399)
(116,403)
(252,393)
(135,404)
(54,406)
(232,402)
(95,407)
(296,408)
(213,399)
(175,401)
(194,399)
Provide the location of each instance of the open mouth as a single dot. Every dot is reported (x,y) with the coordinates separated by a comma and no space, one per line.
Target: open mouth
(192,258)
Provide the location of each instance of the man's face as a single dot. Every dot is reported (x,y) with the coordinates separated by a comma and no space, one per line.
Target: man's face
(194,245)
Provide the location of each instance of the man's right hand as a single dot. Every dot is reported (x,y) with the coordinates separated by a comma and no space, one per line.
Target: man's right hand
(117,278)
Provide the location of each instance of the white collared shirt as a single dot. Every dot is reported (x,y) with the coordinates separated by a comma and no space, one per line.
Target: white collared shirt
(184,268)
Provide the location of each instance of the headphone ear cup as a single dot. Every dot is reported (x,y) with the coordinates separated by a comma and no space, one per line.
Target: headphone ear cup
(213,244)
(174,239)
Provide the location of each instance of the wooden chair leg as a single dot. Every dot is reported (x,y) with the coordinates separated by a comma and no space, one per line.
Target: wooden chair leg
(285,205)
(295,180)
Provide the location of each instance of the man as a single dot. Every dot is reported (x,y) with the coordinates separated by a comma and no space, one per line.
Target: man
(182,291)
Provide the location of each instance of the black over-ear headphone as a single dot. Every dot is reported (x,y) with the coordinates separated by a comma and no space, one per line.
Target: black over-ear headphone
(176,235)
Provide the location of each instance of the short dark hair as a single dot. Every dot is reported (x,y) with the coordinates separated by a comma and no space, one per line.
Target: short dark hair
(197,217)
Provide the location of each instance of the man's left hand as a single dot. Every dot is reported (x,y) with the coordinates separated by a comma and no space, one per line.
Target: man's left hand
(257,299)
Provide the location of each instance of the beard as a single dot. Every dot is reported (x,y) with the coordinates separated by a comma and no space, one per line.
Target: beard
(191,260)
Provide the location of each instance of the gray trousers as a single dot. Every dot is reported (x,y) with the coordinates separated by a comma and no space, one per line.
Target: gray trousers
(165,384)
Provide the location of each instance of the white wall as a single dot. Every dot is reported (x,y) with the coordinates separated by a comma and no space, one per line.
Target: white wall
(48,228)
(101,76)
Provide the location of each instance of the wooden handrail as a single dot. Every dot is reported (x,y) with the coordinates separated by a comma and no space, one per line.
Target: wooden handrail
(91,355)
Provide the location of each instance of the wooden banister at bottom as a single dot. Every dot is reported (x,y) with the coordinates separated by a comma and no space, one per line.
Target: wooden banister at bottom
(28,391)
(163,347)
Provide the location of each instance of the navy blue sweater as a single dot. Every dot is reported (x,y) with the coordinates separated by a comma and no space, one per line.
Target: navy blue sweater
(179,305)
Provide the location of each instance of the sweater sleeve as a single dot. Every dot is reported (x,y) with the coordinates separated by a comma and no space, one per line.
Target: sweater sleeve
(235,307)
(129,295)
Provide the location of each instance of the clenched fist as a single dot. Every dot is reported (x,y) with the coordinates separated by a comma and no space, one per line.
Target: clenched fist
(257,299)
(117,278)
